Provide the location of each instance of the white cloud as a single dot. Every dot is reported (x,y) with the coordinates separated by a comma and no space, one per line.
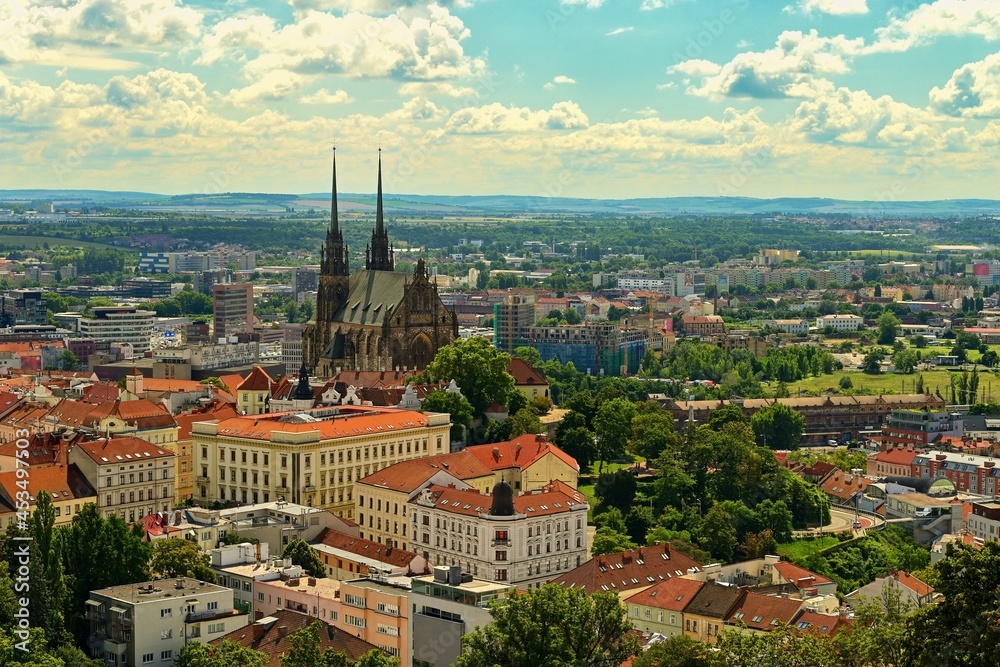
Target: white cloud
(324,96)
(496,118)
(619,31)
(794,67)
(32,30)
(274,85)
(430,88)
(854,117)
(424,47)
(589,4)
(559,80)
(835,7)
(973,91)
(939,19)
(374,6)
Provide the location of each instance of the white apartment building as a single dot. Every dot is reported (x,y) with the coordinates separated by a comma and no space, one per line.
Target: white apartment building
(789,326)
(521,541)
(984,521)
(839,322)
(120,324)
(148,624)
(645,281)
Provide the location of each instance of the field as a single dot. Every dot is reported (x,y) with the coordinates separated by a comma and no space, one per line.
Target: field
(989,383)
(796,550)
(33,242)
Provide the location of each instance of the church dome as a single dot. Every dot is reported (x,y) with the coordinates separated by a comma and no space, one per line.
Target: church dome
(503,500)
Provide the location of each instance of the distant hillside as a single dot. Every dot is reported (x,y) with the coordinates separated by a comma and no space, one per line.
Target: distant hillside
(516,205)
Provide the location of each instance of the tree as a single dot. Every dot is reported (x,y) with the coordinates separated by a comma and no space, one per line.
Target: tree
(609,541)
(966,620)
(778,426)
(872,362)
(572,316)
(990,358)
(302,554)
(455,405)
(67,360)
(525,421)
(653,432)
(616,489)
(552,626)
(905,361)
(888,328)
(757,545)
(718,536)
(528,354)
(579,443)
(678,651)
(479,369)
(227,654)
(180,558)
(638,521)
(919,341)
(540,405)
(846,383)
(613,425)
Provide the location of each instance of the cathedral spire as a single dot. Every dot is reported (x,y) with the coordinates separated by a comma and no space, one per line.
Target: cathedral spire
(379,255)
(334,254)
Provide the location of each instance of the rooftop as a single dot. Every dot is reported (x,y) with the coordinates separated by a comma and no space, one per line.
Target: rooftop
(155,591)
(627,570)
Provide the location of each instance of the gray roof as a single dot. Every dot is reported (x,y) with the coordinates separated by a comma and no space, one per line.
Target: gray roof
(371,295)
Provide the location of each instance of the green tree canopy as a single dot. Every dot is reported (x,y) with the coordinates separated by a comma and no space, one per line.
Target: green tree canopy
(778,426)
(302,554)
(479,369)
(180,558)
(455,405)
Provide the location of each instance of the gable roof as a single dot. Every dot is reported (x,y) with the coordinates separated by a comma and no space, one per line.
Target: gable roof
(122,449)
(365,548)
(763,612)
(271,636)
(627,570)
(671,595)
(258,380)
(62,483)
(408,476)
(911,582)
(799,576)
(521,452)
(524,373)
(370,295)
(820,624)
(713,600)
(896,456)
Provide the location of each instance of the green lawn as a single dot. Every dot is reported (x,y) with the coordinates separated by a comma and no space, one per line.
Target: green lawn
(796,550)
(937,379)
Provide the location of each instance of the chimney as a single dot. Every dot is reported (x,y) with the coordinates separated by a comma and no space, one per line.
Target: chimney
(496,453)
(62,454)
(282,631)
(258,630)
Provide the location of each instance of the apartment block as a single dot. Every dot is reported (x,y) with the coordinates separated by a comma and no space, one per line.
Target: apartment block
(120,324)
(232,307)
(132,477)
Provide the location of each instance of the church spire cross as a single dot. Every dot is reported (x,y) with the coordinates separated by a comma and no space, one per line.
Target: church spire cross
(381,255)
(334,218)
(334,260)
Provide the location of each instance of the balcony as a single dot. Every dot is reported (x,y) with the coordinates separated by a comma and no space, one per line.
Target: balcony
(500,542)
(194,633)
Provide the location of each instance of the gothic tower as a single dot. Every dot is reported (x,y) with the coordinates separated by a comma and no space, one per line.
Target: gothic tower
(378,254)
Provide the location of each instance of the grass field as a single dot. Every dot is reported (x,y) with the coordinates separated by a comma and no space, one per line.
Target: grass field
(989,383)
(32,242)
(799,549)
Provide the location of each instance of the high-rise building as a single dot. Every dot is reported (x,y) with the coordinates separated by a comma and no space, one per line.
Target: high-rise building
(120,324)
(512,322)
(233,308)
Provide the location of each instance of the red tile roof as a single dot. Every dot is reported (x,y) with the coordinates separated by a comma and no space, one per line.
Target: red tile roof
(99,393)
(671,595)
(273,638)
(820,624)
(521,452)
(799,576)
(350,423)
(408,476)
(258,380)
(914,584)
(844,485)
(554,498)
(62,482)
(627,570)
(763,612)
(365,548)
(524,373)
(122,448)
(896,456)
(8,401)
(218,410)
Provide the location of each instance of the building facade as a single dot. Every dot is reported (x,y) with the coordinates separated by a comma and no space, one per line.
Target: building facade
(232,308)
(132,477)
(114,324)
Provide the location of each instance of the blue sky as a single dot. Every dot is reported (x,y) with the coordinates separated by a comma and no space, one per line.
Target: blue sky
(859,99)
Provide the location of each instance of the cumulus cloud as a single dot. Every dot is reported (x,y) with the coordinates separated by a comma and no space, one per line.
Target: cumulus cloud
(973,91)
(324,96)
(431,88)
(835,7)
(32,30)
(494,118)
(939,19)
(423,47)
(559,80)
(794,67)
(854,117)
(274,85)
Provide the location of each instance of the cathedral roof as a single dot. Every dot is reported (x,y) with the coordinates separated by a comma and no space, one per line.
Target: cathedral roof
(370,295)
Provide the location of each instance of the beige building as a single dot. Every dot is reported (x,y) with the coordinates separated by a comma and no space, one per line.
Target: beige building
(149,623)
(133,478)
(254,393)
(312,457)
(528,462)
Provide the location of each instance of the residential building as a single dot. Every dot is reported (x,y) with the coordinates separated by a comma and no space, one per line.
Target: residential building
(384,496)
(69,488)
(529,381)
(894,462)
(754,612)
(149,623)
(305,279)
(271,636)
(702,325)
(22,306)
(788,326)
(446,606)
(378,611)
(840,322)
(528,462)
(969,473)
(523,541)
(254,393)
(119,324)
(295,590)
(706,613)
(916,429)
(773,257)
(232,307)
(660,608)
(594,347)
(911,590)
(132,477)
(278,522)
(239,566)
(202,527)
(770,574)
(291,347)
(513,320)
(312,457)
(139,418)
(984,521)
(629,571)
(348,556)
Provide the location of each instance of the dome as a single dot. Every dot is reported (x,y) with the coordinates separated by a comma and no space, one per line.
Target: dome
(503,500)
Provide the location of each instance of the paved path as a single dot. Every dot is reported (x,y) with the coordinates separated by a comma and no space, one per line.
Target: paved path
(840,520)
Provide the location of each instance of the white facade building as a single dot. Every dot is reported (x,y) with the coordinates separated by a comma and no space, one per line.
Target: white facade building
(120,324)
(839,322)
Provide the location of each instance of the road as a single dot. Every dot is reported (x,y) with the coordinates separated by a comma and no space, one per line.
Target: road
(840,520)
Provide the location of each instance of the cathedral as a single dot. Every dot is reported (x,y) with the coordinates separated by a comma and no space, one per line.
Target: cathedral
(374,319)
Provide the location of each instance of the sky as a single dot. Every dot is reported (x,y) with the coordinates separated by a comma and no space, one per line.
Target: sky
(853,99)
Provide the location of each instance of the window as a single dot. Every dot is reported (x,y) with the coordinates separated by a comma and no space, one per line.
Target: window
(167,634)
(215,628)
(212,606)
(166,613)
(147,658)
(166,655)
(501,555)
(501,575)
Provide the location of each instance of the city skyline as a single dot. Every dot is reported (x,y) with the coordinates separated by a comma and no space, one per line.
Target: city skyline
(854,99)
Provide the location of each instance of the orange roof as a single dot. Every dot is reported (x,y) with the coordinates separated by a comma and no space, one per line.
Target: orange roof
(521,452)
(524,373)
(820,624)
(258,380)
(459,501)
(99,393)
(161,384)
(914,584)
(897,456)
(549,500)
(763,612)
(799,576)
(63,482)
(8,401)
(627,570)
(672,594)
(232,381)
(407,476)
(122,448)
(26,414)
(371,378)
(366,548)
(346,425)
(218,410)
(844,485)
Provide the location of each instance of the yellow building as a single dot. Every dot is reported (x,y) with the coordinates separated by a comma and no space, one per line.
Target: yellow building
(530,382)
(253,394)
(312,457)
(528,462)
(184,448)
